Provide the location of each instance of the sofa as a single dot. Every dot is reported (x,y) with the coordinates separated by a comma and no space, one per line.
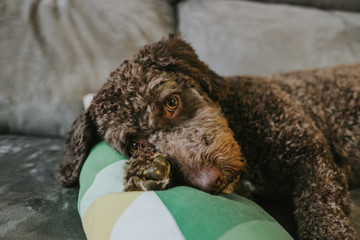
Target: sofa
(55,52)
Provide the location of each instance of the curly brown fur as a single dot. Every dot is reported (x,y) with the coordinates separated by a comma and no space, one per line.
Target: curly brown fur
(299,132)
(82,137)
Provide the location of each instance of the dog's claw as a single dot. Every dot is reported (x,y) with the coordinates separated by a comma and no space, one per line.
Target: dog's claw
(158,171)
(153,185)
(161,160)
(154,173)
(148,171)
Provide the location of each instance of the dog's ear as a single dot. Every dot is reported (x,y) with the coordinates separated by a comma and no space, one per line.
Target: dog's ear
(176,55)
(82,137)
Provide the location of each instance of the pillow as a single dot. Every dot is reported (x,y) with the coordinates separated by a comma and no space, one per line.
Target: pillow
(178,213)
(52,52)
(256,38)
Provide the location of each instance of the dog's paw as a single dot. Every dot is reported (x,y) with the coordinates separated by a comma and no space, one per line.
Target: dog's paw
(147,171)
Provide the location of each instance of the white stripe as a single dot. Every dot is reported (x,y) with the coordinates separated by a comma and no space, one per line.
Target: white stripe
(108,180)
(146,218)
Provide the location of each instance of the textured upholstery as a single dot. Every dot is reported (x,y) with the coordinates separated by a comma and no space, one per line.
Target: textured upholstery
(239,37)
(32,204)
(54,52)
(348,5)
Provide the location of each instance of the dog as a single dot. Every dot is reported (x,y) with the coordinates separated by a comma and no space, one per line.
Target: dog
(298,132)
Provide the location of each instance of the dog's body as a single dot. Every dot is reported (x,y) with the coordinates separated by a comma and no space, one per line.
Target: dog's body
(299,132)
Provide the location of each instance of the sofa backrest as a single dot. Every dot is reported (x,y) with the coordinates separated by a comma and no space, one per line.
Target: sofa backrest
(242,37)
(55,52)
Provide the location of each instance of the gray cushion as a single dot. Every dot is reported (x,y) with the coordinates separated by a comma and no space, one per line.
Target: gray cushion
(348,5)
(32,203)
(53,52)
(238,37)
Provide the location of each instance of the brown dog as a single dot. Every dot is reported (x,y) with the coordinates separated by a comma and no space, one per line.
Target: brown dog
(299,132)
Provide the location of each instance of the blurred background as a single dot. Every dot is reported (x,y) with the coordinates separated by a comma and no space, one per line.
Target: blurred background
(53,52)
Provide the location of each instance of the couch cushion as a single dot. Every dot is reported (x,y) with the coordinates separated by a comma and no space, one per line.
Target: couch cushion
(32,203)
(53,52)
(239,37)
(348,5)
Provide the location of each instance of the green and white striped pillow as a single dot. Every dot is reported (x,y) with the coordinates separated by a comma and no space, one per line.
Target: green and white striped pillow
(178,213)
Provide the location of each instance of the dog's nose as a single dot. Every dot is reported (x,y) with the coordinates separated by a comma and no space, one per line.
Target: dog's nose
(209,180)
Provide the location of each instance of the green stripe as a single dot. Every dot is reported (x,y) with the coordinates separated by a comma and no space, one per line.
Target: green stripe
(204,216)
(257,230)
(101,156)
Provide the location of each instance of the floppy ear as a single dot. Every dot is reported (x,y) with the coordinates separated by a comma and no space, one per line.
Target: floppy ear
(82,137)
(174,54)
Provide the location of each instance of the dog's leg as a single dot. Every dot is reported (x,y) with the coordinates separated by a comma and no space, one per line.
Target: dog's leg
(320,190)
(322,202)
(82,137)
(147,171)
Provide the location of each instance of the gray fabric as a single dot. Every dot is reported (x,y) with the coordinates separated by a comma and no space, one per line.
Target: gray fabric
(352,33)
(348,5)
(32,203)
(238,37)
(54,52)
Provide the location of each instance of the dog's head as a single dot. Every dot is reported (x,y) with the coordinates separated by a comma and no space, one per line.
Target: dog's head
(167,99)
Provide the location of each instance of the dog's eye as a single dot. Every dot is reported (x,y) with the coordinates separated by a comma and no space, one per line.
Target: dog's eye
(172,103)
(134,146)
